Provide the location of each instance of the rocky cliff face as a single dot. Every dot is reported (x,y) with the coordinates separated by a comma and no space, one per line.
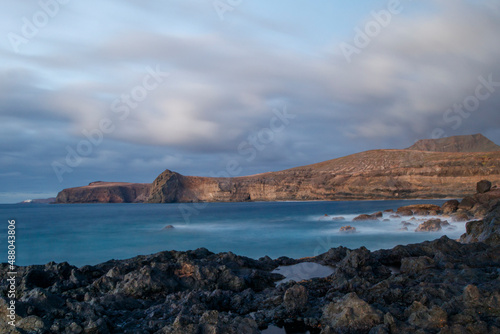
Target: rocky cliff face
(380,174)
(106,192)
(448,167)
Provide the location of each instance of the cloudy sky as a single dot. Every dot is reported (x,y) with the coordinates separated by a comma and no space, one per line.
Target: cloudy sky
(120,90)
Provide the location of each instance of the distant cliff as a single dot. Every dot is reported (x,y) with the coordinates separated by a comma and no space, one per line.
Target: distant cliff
(380,174)
(106,192)
(471,143)
(441,168)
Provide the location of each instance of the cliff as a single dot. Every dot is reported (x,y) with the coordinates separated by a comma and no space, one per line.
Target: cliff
(379,174)
(106,192)
(441,168)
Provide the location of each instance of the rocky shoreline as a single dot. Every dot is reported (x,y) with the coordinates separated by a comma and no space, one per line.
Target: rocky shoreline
(442,286)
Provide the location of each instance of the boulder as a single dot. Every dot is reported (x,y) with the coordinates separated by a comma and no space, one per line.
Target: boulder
(486,230)
(460,217)
(421,316)
(295,298)
(431,225)
(168,227)
(351,313)
(419,210)
(450,207)
(347,229)
(467,203)
(483,186)
(366,217)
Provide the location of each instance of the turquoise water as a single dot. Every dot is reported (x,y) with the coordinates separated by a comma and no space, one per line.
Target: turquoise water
(92,233)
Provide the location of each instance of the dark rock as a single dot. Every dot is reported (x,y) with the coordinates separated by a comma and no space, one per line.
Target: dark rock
(415,265)
(486,230)
(423,317)
(419,210)
(365,217)
(295,299)
(460,217)
(168,227)
(467,203)
(483,186)
(351,313)
(431,225)
(450,207)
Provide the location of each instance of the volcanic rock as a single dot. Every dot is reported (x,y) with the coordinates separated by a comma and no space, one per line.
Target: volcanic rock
(450,207)
(347,229)
(431,225)
(351,313)
(483,186)
(419,210)
(373,216)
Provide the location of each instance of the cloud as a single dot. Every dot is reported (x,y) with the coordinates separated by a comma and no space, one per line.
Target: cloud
(226,79)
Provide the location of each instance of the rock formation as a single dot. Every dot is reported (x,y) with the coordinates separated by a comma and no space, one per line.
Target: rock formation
(347,229)
(106,192)
(377,174)
(471,143)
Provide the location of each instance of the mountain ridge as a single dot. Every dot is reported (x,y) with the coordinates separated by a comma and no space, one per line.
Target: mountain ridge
(376,174)
(467,143)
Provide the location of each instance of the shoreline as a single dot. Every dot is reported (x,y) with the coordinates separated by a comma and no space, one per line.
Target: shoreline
(440,286)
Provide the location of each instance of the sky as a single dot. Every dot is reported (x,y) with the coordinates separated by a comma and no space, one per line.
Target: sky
(122,90)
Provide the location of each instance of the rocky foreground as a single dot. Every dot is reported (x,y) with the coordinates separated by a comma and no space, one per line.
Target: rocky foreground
(442,286)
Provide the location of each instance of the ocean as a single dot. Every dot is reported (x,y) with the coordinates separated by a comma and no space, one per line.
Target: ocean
(93,233)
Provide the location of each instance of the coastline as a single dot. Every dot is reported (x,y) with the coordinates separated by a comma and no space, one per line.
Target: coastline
(440,286)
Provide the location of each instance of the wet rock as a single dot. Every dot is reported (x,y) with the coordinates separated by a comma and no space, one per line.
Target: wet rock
(431,225)
(483,186)
(351,313)
(347,229)
(486,230)
(450,207)
(338,218)
(467,203)
(419,210)
(366,217)
(460,217)
(168,227)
